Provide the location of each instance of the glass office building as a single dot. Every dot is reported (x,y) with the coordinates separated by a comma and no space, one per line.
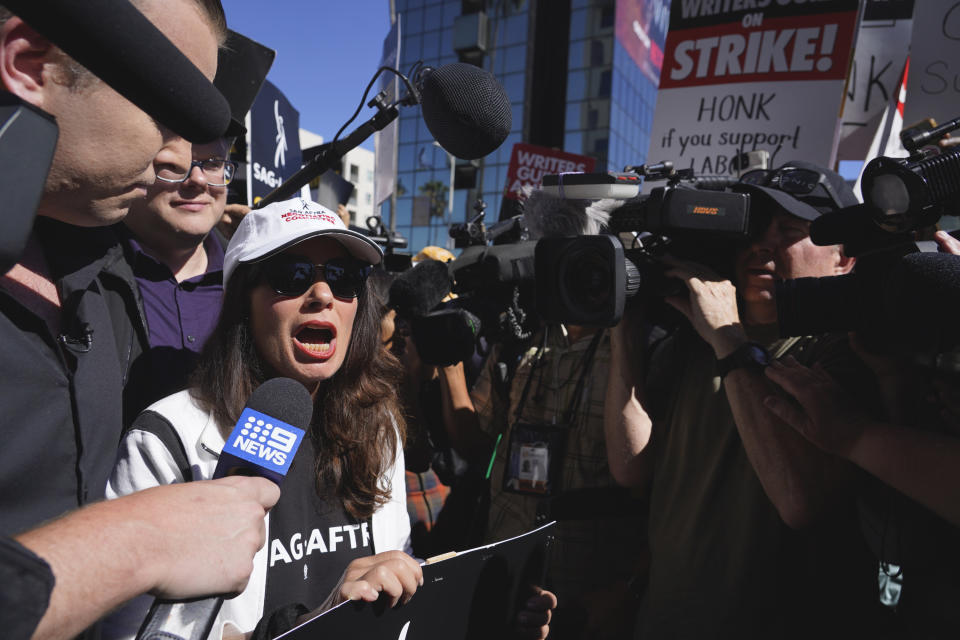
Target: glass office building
(572,85)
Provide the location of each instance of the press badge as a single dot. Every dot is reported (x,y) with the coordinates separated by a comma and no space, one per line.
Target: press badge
(535,459)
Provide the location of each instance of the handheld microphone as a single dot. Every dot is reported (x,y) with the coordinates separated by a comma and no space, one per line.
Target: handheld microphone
(465,109)
(263,443)
(118,44)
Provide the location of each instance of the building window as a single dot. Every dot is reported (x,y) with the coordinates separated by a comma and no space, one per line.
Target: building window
(354,173)
(603,91)
(596,53)
(607,14)
(593,118)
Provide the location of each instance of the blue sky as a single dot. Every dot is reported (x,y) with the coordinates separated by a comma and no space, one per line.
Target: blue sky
(327,51)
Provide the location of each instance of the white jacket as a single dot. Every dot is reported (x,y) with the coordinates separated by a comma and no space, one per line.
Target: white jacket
(143,461)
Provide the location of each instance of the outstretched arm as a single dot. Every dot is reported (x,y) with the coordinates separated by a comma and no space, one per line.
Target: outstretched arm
(178,541)
(921,464)
(799,479)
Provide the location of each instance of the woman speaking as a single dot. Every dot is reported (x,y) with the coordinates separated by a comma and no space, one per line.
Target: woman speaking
(295,305)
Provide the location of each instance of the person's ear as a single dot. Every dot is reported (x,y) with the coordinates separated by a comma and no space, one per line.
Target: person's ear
(24,56)
(845,263)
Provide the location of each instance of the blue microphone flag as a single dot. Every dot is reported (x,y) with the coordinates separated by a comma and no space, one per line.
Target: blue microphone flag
(261,441)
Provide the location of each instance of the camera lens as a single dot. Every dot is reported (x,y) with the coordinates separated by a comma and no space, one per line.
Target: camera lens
(586,279)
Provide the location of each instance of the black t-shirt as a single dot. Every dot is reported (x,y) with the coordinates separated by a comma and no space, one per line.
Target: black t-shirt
(311,539)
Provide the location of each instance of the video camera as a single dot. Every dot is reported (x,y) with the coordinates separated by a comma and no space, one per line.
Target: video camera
(901,196)
(493,286)
(588,280)
(495,281)
(902,296)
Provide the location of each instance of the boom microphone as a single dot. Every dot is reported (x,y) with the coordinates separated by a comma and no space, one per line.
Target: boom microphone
(121,46)
(465,109)
(263,443)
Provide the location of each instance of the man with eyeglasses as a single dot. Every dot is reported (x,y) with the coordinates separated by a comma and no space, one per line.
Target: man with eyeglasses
(752,530)
(178,266)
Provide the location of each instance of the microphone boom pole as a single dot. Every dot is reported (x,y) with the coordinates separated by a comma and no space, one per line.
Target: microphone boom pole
(330,155)
(464,107)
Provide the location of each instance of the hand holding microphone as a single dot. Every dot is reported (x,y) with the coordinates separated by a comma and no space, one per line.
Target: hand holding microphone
(225,519)
(263,444)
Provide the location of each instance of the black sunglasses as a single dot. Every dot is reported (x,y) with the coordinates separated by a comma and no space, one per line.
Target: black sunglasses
(294,275)
(792,180)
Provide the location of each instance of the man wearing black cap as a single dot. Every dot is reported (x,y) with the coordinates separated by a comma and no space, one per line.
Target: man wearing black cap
(751,532)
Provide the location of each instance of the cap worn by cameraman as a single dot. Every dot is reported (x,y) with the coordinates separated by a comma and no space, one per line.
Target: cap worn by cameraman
(800,188)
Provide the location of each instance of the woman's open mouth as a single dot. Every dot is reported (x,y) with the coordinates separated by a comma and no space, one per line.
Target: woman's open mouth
(317,340)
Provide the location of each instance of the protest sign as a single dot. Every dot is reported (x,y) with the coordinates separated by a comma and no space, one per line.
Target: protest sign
(474,594)
(933,88)
(274,142)
(740,76)
(883,42)
(385,140)
(529,163)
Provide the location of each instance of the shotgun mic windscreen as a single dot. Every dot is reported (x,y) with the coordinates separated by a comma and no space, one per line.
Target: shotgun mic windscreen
(465,109)
(123,48)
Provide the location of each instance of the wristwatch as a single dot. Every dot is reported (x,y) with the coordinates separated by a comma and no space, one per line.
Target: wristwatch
(752,355)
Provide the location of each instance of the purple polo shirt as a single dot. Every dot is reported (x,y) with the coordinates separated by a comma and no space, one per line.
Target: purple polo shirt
(180,317)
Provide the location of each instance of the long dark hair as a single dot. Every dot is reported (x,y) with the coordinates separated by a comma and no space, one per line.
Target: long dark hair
(353,433)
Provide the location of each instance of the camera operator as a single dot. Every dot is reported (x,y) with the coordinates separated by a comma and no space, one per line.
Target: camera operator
(443,489)
(912,520)
(61,308)
(545,425)
(752,530)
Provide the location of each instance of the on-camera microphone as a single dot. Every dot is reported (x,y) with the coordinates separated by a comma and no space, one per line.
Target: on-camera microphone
(420,288)
(118,44)
(465,108)
(856,229)
(263,443)
(442,337)
(836,227)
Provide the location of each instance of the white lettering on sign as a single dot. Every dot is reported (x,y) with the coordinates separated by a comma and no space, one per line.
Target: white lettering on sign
(761,52)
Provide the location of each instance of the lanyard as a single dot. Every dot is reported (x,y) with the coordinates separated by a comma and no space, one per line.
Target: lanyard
(587,365)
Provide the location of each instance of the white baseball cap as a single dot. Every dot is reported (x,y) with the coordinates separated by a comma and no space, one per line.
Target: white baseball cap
(266,232)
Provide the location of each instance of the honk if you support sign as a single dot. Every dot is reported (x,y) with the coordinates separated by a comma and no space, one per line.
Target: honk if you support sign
(746,75)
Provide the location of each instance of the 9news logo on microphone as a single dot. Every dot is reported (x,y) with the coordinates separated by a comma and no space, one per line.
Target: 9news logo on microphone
(259,445)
